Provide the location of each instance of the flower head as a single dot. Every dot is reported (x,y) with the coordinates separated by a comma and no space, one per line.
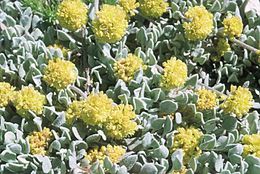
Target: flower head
(129,6)
(94,110)
(175,74)
(119,124)
(233,26)
(39,141)
(153,8)
(6,93)
(60,73)
(251,144)
(201,24)
(238,102)
(126,68)
(28,99)
(74,111)
(188,140)
(72,14)
(207,99)
(222,47)
(110,24)
(183,170)
(114,153)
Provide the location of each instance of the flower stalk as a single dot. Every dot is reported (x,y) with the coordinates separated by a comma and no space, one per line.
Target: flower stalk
(246,46)
(78,91)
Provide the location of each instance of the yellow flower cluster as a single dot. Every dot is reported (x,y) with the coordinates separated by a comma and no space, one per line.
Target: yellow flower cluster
(74,111)
(114,153)
(207,99)
(119,123)
(153,8)
(110,24)
(39,141)
(182,171)
(94,110)
(126,68)
(201,23)
(60,73)
(238,102)
(129,6)
(251,144)
(28,99)
(233,26)
(222,47)
(99,110)
(175,74)
(6,93)
(72,14)
(188,141)
(63,49)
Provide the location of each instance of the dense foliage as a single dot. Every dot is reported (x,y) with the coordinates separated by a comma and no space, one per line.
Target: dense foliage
(129,86)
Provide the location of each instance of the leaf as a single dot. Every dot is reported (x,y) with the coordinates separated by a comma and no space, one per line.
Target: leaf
(229,123)
(55,145)
(138,104)
(174,6)
(76,133)
(155,94)
(193,164)
(252,120)
(216,6)
(219,164)
(192,80)
(235,159)
(15,148)
(208,142)
(60,120)
(14,167)
(72,162)
(177,158)
(147,140)
(168,125)
(64,36)
(93,138)
(148,168)
(150,44)
(238,149)
(219,87)
(151,57)
(10,21)
(160,152)
(252,160)
(178,118)
(168,107)
(9,137)
(130,161)
(7,156)
(122,170)
(46,165)
(256,105)
(107,163)
(26,21)
(38,122)
(158,123)
(141,36)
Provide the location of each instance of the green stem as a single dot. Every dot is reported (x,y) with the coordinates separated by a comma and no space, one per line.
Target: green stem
(246,46)
(240,43)
(78,91)
(184,18)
